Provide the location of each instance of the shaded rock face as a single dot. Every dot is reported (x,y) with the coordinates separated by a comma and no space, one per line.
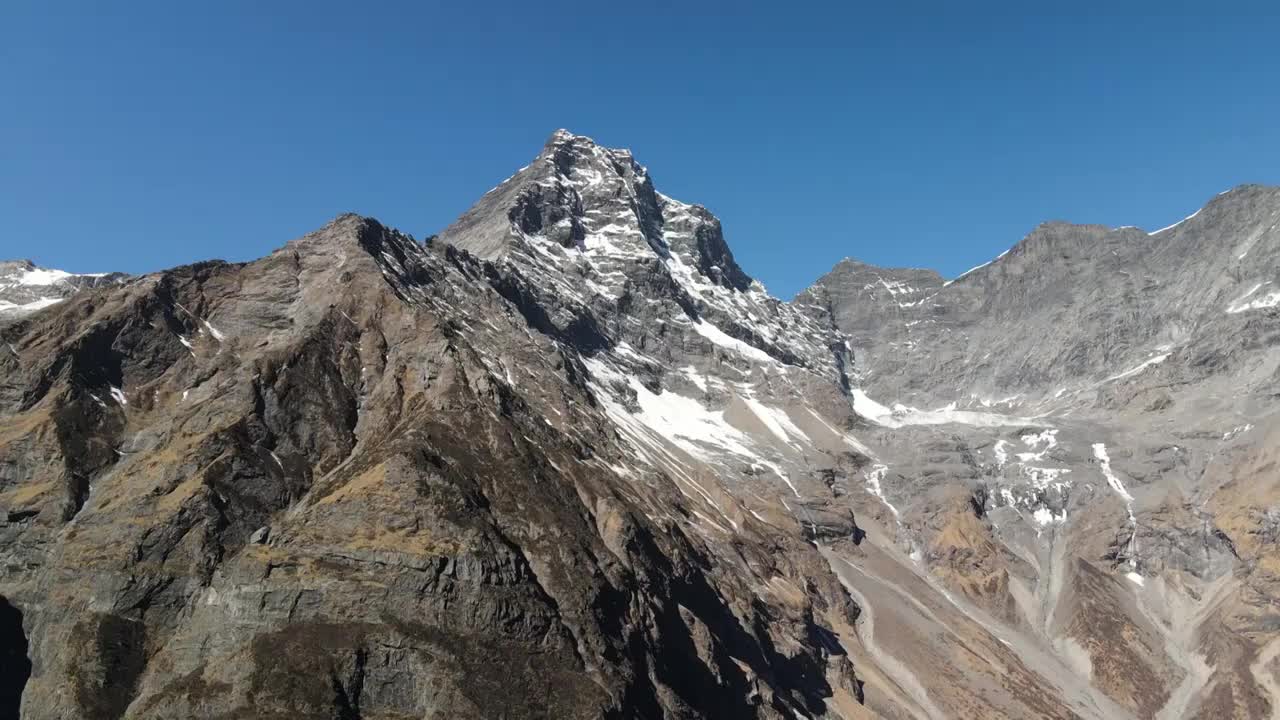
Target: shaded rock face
(568,460)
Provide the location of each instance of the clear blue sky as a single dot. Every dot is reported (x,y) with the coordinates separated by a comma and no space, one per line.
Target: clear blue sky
(140,135)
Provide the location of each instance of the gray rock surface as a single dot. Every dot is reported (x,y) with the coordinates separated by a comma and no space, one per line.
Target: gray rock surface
(1093,386)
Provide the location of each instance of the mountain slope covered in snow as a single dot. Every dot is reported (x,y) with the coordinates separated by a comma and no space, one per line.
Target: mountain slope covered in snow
(25,288)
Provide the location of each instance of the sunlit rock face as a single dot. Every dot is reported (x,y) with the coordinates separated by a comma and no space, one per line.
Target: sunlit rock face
(1104,397)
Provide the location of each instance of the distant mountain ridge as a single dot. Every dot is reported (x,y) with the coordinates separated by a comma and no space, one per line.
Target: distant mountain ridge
(25,288)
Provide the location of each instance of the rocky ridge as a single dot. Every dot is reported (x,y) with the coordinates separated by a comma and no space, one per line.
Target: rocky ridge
(1094,387)
(25,288)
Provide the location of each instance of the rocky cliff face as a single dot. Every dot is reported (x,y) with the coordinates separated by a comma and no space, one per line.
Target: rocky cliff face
(1095,394)
(568,459)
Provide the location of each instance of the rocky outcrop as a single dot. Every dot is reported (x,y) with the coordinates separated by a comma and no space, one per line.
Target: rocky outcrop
(328,483)
(1090,391)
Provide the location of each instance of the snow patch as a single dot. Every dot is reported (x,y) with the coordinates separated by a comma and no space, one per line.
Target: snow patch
(1044,516)
(966,272)
(1002,455)
(868,408)
(1243,303)
(778,422)
(1139,368)
(681,420)
(1239,429)
(40,276)
(1170,227)
(902,415)
(875,477)
(217,335)
(691,373)
(29,307)
(1100,452)
(1048,438)
(1043,477)
(988,402)
(719,337)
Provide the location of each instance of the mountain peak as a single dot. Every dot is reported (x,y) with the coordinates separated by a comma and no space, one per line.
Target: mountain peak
(26,287)
(563,138)
(581,160)
(589,200)
(561,135)
(854,265)
(16,264)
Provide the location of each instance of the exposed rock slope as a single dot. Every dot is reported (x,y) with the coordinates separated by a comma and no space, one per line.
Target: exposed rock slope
(1103,398)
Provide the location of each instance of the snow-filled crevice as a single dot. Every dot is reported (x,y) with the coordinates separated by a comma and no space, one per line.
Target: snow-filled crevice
(1104,461)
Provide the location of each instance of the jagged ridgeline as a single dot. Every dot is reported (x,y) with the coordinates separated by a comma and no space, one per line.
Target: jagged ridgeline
(569,460)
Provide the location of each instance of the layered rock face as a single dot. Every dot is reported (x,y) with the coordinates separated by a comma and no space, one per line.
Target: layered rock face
(1103,398)
(567,459)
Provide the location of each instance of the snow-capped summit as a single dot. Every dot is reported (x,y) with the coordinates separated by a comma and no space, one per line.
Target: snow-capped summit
(578,194)
(693,360)
(25,287)
(586,227)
